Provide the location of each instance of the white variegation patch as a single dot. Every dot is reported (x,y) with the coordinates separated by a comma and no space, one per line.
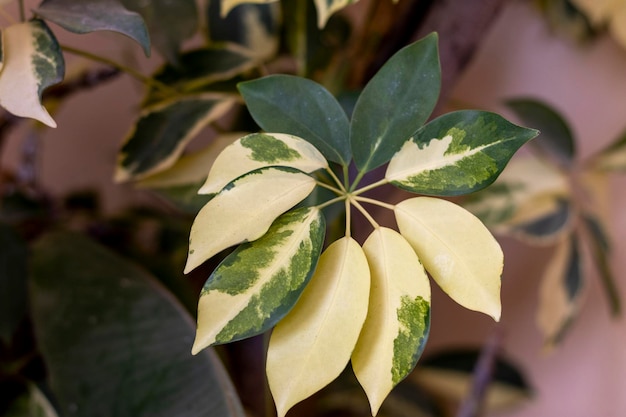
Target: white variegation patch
(228,5)
(260,150)
(32,61)
(398,318)
(325,9)
(312,345)
(244,211)
(456,249)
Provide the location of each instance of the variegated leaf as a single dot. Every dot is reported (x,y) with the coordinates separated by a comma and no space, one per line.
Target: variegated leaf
(529,200)
(398,319)
(31,61)
(191,168)
(260,150)
(312,345)
(325,9)
(92,15)
(457,153)
(613,158)
(257,284)
(163,130)
(244,210)
(228,5)
(560,292)
(456,249)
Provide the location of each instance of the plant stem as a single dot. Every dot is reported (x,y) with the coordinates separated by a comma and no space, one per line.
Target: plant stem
(330,202)
(330,187)
(375,202)
(130,71)
(337,180)
(370,186)
(22,11)
(355,203)
(348,218)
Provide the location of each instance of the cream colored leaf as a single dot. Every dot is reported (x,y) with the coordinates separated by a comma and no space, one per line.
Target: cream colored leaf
(228,5)
(260,150)
(312,345)
(32,61)
(325,9)
(190,168)
(245,210)
(599,11)
(456,249)
(398,319)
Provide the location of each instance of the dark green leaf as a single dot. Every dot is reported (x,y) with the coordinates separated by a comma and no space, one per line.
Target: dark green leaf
(92,15)
(601,251)
(300,107)
(185,197)
(29,402)
(13,274)
(395,103)
(613,157)
(549,225)
(169,22)
(162,132)
(253,26)
(114,341)
(556,136)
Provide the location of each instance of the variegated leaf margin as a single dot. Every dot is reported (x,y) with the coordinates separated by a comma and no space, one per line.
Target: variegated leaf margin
(245,210)
(398,319)
(257,284)
(325,9)
(228,5)
(163,131)
(260,150)
(31,61)
(457,153)
(312,345)
(456,249)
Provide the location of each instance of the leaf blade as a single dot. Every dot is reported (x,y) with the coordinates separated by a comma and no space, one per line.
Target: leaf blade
(31,62)
(227,220)
(299,107)
(257,284)
(398,319)
(458,153)
(395,103)
(456,249)
(313,343)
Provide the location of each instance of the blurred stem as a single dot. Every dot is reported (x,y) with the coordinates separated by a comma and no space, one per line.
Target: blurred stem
(22,11)
(128,70)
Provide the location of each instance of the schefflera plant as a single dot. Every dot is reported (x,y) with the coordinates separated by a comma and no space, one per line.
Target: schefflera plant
(366,304)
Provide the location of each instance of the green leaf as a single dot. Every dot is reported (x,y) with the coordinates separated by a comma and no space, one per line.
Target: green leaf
(200,67)
(312,345)
(395,103)
(260,150)
(456,249)
(253,26)
(31,62)
(13,274)
(228,5)
(601,251)
(92,15)
(398,319)
(169,23)
(228,219)
(448,375)
(561,291)
(114,341)
(184,197)
(32,402)
(163,130)
(556,136)
(530,201)
(457,153)
(257,284)
(299,107)
(325,8)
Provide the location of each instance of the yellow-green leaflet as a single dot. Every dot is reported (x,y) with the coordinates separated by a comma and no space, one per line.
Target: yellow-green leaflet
(456,249)
(398,318)
(31,61)
(255,286)
(244,210)
(228,5)
(260,150)
(312,345)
